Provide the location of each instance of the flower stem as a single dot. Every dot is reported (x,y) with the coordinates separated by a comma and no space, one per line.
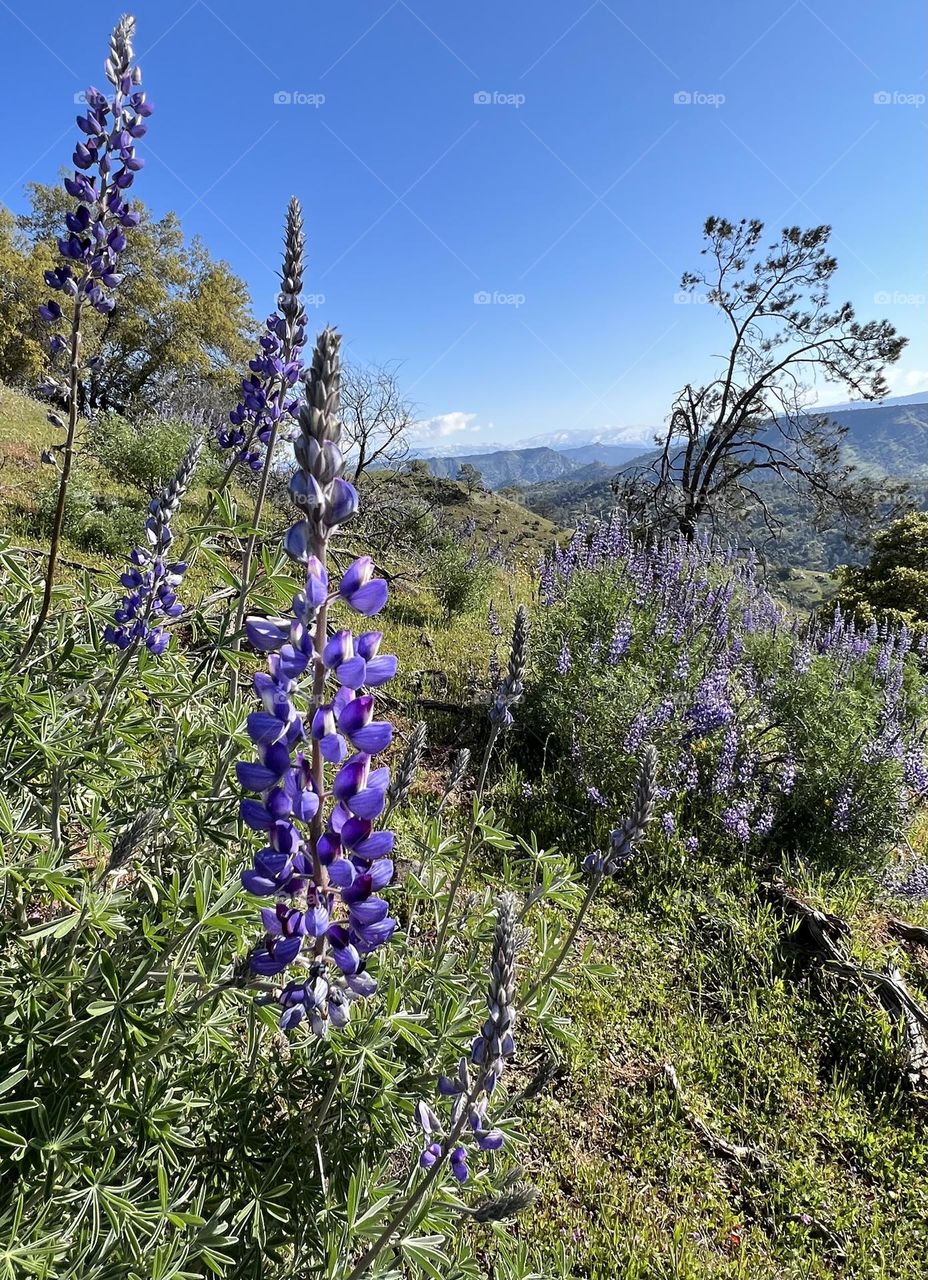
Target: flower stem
(568,942)
(114,684)
(66,465)
(250,551)
(469,850)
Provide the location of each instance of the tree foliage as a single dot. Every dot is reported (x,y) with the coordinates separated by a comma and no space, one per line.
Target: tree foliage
(183,318)
(893,586)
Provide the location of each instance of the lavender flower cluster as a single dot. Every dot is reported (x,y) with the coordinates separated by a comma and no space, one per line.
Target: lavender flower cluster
(722,662)
(323,870)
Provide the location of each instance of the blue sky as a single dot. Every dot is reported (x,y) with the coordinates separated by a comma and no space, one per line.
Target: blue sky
(572,199)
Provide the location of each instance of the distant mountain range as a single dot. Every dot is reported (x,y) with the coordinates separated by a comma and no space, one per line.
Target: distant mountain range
(506,467)
(890,437)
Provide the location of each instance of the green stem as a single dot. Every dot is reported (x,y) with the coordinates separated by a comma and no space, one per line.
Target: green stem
(568,942)
(66,466)
(469,850)
(249,553)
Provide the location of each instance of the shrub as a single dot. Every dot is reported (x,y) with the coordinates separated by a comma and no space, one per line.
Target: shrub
(458,577)
(92,521)
(146,453)
(769,737)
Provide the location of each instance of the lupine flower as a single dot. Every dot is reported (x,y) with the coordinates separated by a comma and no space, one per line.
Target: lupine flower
(512,687)
(324,870)
(105,168)
(268,398)
(736,821)
(151,602)
(564,660)
(623,840)
(470,1128)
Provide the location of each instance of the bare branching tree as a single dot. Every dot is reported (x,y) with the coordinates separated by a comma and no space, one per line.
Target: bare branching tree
(752,421)
(376,418)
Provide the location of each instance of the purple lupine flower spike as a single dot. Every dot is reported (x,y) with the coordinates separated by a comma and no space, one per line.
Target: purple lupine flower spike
(512,687)
(324,863)
(105,167)
(268,396)
(151,602)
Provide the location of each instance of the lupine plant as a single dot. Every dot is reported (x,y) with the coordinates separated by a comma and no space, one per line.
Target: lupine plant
(324,870)
(151,599)
(681,645)
(268,401)
(105,165)
(268,397)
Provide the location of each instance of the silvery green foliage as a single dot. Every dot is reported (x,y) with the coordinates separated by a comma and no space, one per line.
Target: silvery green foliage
(405,772)
(459,766)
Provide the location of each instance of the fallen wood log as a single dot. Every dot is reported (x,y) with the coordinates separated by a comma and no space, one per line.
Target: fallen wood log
(713,1142)
(825,935)
(908,932)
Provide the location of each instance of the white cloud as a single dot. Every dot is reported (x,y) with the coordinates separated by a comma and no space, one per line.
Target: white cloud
(906,382)
(444,425)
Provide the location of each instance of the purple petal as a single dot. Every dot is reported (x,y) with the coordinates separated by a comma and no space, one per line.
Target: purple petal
(379,845)
(355,576)
(256,815)
(370,911)
(370,599)
(356,714)
(368,803)
(368,644)
(264,729)
(267,634)
(373,737)
(353,673)
(255,777)
(380,670)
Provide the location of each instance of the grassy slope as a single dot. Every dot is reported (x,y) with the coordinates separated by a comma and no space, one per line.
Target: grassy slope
(683,964)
